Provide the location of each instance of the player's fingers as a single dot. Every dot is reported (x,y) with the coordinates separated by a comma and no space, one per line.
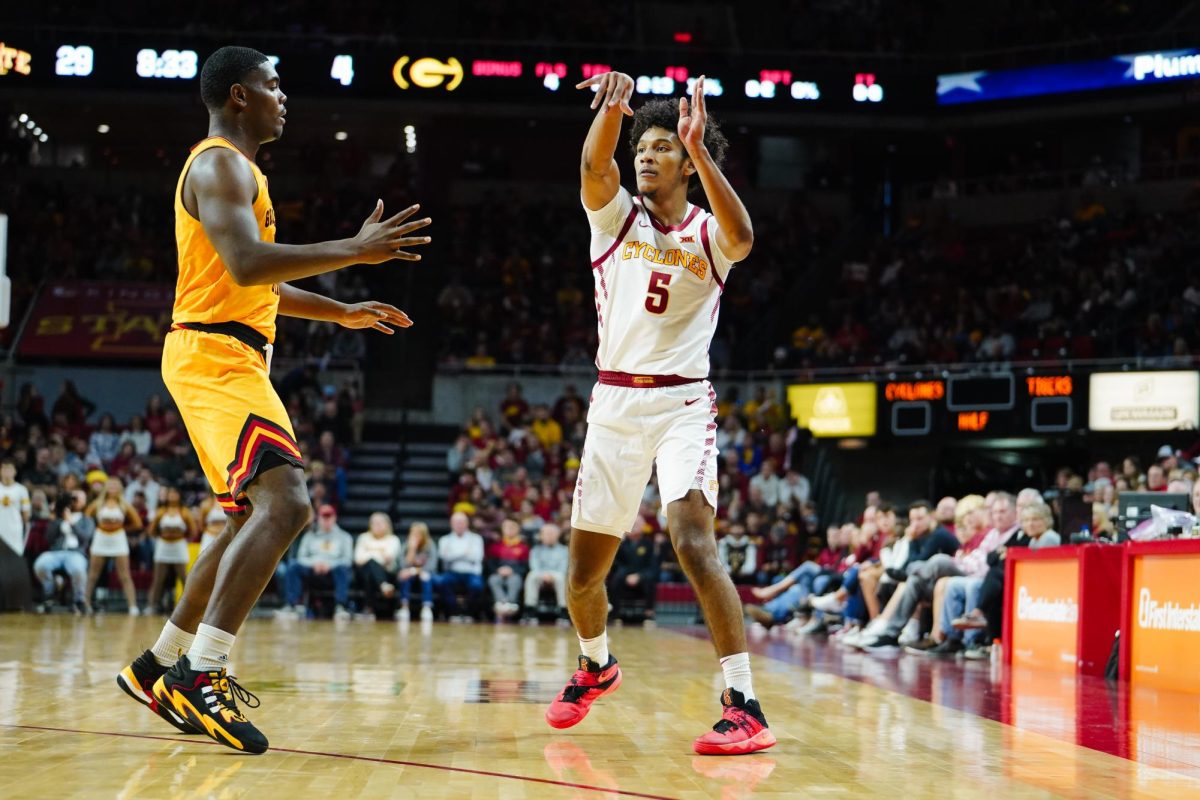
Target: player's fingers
(383,309)
(625,98)
(592,81)
(700,101)
(600,90)
(415,225)
(396,219)
(683,107)
(379,326)
(409,241)
(377,212)
(403,256)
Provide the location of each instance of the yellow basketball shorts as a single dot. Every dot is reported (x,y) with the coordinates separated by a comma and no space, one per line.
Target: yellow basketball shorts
(221,386)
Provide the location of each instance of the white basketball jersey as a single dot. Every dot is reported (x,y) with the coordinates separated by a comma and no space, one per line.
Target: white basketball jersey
(658,289)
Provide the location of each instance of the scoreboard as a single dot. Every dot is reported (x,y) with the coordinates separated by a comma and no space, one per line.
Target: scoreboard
(991,405)
(166,62)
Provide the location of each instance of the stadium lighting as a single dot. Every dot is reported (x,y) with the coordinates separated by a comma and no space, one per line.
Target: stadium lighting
(341,136)
(102,128)
(23,118)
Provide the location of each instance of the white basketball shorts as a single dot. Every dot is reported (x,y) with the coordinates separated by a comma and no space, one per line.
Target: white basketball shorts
(629,430)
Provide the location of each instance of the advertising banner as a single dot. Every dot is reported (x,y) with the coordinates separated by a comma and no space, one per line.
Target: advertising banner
(98,320)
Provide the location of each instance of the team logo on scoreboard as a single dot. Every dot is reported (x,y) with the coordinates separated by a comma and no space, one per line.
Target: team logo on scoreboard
(428,73)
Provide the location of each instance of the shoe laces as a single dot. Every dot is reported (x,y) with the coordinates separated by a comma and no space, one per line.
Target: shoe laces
(230,691)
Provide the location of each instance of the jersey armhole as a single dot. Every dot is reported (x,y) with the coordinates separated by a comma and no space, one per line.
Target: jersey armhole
(188,171)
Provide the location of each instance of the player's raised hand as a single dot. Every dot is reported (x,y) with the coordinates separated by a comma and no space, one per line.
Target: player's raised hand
(614,89)
(693,117)
(373,314)
(382,240)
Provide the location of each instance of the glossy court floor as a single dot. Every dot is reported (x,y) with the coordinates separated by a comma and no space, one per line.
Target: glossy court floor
(374,710)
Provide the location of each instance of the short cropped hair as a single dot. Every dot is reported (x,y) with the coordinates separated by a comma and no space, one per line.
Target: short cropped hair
(223,69)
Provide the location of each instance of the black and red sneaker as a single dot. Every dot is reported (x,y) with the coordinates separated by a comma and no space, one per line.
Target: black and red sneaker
(589,683)
(137,681)
(206,699)
(742,729)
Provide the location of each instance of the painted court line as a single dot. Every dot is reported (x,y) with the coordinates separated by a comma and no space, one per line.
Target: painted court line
(374,760)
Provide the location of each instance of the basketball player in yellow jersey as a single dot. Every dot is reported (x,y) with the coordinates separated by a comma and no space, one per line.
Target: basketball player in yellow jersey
(216,359)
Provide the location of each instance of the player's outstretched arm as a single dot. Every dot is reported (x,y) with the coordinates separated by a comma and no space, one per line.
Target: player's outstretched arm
(224,193)
(735,234)
(599,175)
(295,302)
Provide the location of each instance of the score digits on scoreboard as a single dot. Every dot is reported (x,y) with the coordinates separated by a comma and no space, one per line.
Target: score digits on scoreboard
(180,64)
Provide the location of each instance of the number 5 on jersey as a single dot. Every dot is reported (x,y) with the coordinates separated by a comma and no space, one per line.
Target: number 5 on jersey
(657,295)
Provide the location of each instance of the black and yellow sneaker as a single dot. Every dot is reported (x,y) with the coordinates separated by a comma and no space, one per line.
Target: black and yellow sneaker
(137,681)
(207,699)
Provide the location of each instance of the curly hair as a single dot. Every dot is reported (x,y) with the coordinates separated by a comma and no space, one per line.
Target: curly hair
(664,113)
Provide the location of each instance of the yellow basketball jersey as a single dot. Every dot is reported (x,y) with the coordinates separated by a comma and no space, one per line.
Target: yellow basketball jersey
(205,292)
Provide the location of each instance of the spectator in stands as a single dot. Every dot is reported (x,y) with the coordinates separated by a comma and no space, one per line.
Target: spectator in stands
(514,409)
(418,565)
(569,408)
(545,427)
(795,489)
(924,575)
(212,516)
(148,487)
(634,576)
(325,556)
(377,559)
(42,474)
(14,508)
(74,406)
(1156,479)
(779,554)
(105,441)
(155,416)
(138,436)
(946,513)
(458,455)
(547,568)
(170,530)
(1036,532)
(115,518)
(508,562)
(31,407)
(460,554)
(767,483)
(739,555)
(172,441)
(68,536)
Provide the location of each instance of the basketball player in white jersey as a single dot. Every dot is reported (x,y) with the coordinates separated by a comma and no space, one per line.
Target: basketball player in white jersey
(660,265)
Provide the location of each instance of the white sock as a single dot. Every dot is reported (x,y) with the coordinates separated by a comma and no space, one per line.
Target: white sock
(737,673)
(172,643)
(596,649)
(210,650)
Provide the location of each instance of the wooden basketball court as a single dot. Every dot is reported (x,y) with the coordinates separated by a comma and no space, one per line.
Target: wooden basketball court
(374,710)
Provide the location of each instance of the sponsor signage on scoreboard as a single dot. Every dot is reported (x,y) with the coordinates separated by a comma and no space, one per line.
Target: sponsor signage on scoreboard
(834,409)
(99,320)
(1144,401)
(1137,69)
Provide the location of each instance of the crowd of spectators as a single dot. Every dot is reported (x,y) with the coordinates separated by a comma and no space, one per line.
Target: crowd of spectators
(1101,284)
(931,582)
(81,492)
(516,471)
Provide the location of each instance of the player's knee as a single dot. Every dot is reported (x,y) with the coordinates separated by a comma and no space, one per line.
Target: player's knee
(696,550)
(583,578)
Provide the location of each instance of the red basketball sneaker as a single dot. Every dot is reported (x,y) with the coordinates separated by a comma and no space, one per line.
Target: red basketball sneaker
(742,729)
(589,683)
